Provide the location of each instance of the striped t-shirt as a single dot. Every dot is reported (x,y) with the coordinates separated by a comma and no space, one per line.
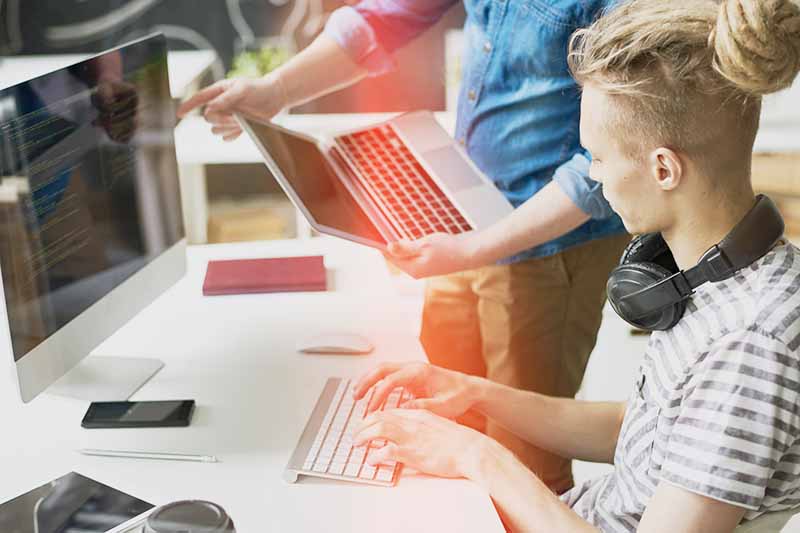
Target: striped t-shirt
(716,406)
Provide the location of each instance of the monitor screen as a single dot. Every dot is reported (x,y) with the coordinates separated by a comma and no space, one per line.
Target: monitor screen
(88,185)
(313,180)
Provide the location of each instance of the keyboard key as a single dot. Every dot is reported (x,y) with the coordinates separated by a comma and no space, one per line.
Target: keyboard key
(385,473)
(367,472)
(358,452)
(352,469)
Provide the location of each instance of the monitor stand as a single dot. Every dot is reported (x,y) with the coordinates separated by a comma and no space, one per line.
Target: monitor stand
(109,379)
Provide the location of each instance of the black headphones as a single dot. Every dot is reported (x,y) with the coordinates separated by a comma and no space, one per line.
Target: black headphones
(649,291)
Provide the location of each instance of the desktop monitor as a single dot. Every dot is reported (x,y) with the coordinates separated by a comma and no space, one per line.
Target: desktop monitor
(91,228)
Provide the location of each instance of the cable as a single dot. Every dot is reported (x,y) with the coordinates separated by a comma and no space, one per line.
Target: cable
(3,51)
(293,21)
(90,30)
(195,39)
(14,33)
(315,17)
(240,24)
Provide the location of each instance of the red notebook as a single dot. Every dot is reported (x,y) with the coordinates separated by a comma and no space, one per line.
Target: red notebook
(247,276)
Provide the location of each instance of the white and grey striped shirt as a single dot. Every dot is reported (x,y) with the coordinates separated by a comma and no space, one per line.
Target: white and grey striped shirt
(716,409)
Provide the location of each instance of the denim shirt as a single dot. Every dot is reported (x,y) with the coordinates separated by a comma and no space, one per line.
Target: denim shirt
(518,109)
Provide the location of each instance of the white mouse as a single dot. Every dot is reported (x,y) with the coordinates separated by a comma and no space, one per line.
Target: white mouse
(335,343)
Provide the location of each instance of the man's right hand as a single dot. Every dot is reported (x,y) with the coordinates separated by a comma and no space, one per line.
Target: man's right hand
(260,99)
(445,392)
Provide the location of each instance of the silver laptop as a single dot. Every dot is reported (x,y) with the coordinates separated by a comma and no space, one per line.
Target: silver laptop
(401,179)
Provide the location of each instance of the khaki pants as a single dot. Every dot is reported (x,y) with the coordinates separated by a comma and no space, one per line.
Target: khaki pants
(529,325)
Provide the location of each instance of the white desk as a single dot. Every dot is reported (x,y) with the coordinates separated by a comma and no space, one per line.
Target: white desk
(235,356)
(186,68)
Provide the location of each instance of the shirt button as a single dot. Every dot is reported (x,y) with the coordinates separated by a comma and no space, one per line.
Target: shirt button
(487,47)
(472,95)
(462,142)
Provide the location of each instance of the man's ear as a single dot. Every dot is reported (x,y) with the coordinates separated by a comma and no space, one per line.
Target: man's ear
(666,168)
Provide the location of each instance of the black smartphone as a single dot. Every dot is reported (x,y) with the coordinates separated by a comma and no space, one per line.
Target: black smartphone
(161,414)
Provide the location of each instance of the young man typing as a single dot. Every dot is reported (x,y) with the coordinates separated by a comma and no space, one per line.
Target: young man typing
(710,435)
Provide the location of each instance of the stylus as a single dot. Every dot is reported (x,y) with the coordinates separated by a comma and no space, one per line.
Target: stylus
(150,455)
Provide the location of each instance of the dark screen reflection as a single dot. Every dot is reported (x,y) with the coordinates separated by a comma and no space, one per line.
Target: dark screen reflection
(312,178)
(70,504)
(88,185)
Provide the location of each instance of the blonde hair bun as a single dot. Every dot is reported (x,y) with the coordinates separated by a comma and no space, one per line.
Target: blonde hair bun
(757,44)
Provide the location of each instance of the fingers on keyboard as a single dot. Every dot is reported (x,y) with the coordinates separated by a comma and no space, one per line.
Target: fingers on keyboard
(333,453)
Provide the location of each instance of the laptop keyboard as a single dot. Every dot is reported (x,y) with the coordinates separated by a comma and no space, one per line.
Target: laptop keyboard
(399,185)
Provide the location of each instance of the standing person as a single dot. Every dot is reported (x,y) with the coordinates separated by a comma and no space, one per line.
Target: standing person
(529,319)
(710,434)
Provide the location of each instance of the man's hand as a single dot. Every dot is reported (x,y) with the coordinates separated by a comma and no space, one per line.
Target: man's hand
(260,99)
(117,104)
(444,392)
(423,441)
(435,255)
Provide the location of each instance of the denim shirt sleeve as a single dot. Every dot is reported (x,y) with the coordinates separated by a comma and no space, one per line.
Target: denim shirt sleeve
(573,178)
(373,29)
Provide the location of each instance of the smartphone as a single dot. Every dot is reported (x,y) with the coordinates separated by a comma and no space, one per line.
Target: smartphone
(161,414)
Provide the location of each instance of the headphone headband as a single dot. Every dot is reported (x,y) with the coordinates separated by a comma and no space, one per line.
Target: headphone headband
(751,238)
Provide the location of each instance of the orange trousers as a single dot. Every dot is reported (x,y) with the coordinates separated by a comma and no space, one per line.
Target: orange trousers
(529,325)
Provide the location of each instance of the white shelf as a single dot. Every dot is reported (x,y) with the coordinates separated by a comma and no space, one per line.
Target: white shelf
(185,68)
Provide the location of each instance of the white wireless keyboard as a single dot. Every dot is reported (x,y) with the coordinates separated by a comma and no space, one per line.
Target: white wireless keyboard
(325,448)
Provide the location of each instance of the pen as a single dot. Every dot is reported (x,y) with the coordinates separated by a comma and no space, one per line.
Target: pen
(150,455)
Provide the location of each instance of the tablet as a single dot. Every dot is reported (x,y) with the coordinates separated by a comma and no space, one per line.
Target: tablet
(73,503)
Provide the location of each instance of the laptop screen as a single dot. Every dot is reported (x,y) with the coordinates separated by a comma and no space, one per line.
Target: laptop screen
(315,183)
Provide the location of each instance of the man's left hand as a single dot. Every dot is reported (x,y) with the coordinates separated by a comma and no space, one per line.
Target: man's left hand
(434,255)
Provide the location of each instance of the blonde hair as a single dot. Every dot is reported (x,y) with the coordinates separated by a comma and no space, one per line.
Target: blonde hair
(687,73)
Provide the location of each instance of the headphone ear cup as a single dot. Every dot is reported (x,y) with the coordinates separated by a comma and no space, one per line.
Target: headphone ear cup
(629,278)
(649,248)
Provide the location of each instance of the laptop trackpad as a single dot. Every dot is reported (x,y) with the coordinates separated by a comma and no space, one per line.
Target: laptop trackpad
(449,166)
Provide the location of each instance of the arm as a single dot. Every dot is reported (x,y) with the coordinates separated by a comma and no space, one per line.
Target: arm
(356,43)
(574,429)
(320,68)
(373,29)
(550,213)
(522,499)
(571,428)
(526,504)
(441,447)
(697,513)
(562,205)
